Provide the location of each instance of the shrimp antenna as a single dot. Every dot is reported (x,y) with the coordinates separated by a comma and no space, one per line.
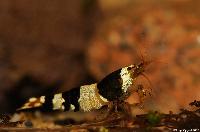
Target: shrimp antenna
(141,56)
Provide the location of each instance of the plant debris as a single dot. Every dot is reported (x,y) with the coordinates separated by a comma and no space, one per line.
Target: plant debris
(152,121)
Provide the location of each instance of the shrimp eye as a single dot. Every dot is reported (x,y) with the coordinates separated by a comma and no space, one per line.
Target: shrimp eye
(129,68)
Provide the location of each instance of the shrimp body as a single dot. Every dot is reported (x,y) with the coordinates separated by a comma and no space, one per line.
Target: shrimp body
(88,97)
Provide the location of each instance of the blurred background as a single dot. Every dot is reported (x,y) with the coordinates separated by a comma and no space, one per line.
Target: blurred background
(52,46)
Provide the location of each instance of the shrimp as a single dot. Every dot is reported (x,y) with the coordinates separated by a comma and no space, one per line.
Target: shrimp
(112,88)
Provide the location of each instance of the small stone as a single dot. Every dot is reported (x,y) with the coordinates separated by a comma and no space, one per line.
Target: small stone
(28,123)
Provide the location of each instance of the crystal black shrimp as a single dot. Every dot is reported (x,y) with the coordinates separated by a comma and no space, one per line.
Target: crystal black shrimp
(114,87)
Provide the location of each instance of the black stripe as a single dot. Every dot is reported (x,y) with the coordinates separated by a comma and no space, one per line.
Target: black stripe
(71,97)
(110,86)
(48,105)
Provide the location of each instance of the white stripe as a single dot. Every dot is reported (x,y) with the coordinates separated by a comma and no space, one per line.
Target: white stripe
(58,101)
(90,98)
(127,80)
